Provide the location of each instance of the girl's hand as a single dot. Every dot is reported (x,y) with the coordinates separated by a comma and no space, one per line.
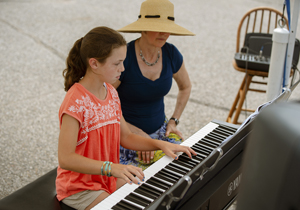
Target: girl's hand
(170,149)
(127,173)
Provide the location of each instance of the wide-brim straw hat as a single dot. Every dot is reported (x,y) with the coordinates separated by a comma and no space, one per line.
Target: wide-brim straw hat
(158,16)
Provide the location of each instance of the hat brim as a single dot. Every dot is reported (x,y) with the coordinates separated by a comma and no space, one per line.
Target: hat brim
(166,26)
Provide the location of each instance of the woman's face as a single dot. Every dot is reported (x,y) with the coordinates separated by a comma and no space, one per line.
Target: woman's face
(113,66)
(158,39)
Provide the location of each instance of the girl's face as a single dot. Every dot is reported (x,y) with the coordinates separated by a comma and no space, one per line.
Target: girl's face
(158,39)
(113,66)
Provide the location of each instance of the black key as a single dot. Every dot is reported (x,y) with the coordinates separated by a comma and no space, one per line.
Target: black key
(224,132)
(207,143)
(214,139)
(201,149)
(177,170)
(169,173)
(229,129)
(128,205)
(199,157)
(161,180)
(158,183)
(220,133)
(158,190)
(138,199)
(179,167)
(216,136)
(179,162)
(166,178)
(118,207)
(204,147)
(145,193)
(213,143)
(188,160)
(151,189)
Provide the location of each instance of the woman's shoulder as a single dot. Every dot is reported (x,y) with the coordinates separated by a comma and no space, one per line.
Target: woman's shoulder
(169,45)
(171,49)
(131,44)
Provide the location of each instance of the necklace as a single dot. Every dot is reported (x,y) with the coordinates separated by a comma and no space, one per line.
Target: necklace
(146,62)
(143,58)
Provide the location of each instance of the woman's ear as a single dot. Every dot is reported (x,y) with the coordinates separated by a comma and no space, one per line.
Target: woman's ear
(93,63)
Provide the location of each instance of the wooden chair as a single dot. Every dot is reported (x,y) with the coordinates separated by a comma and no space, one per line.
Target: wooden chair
(258,20)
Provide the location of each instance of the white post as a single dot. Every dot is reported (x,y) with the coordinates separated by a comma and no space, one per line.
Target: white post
(291,44)
(280,39)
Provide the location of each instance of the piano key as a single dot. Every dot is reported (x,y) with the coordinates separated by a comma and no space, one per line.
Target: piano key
(142,196)
(119,208)
(151,171)
(216,136)
(204,147)
(164,177)
(187,165)
(158,183)
(228,129)
(181,167)
(214,139)
(173,175)
(200,150)
(207,144)
(153,187)
(223,132)
(132,203)
(177,170)
(213,142)
(198,157)
(128,205)
(141,190)
(138,199)
(188,159)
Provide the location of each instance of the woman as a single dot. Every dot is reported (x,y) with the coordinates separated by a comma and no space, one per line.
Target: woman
(150,65)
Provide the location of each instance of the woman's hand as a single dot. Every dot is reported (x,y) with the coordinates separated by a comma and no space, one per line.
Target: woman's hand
(146,156)
(171,128)
(127,173)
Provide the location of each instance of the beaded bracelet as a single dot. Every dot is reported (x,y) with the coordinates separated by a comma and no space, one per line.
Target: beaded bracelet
(109,169)
(107,165)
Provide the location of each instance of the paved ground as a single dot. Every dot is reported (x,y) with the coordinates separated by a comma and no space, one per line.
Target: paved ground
(35,38)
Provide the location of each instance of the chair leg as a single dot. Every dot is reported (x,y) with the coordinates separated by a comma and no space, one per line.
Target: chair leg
(239,100)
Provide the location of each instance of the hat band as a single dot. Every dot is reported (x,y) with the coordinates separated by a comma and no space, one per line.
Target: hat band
(156,16)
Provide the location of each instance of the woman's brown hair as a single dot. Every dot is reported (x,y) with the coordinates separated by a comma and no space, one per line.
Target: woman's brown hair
(98,44)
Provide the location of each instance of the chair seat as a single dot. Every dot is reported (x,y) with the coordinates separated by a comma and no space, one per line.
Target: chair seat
(250,71)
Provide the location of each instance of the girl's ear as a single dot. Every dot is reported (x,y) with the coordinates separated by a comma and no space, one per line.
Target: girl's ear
(93,63)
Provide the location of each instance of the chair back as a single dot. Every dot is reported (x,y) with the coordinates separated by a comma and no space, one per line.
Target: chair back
(258,20)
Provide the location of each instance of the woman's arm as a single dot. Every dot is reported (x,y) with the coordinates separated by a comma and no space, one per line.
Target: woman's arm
(69,160)
(184,85)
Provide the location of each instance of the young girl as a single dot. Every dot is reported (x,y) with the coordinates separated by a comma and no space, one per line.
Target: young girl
(92,126)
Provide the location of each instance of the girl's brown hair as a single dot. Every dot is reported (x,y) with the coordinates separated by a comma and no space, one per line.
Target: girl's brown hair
(98,44)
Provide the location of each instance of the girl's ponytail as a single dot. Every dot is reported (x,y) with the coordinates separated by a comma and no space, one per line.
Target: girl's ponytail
(75,67)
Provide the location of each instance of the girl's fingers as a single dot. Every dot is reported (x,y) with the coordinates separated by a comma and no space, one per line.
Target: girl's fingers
(138,172)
